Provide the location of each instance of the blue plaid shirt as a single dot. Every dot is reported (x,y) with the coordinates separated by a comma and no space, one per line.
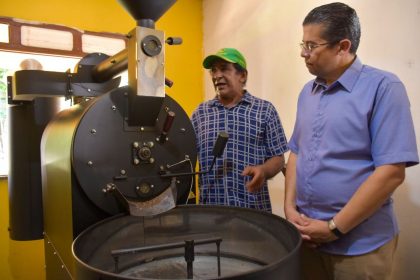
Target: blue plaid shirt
(255,135)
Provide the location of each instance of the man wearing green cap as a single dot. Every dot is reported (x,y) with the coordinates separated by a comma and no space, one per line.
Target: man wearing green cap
(254,151)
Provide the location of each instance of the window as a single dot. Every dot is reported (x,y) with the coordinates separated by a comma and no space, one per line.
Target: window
(3,144)
(56,47)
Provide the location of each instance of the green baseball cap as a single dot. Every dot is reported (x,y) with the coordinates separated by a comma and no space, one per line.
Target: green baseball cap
(228,54)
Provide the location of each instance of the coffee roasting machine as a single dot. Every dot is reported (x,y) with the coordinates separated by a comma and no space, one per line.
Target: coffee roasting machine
(106,181)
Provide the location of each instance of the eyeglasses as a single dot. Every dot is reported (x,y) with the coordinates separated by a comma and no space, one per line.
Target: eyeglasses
(309,47)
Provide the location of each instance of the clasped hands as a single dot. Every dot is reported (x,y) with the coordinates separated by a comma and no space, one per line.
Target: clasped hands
(314,232)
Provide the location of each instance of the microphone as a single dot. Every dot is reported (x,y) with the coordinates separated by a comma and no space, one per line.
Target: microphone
(220,144)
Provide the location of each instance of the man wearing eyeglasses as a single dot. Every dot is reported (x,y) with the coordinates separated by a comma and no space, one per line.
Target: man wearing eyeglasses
(353,139)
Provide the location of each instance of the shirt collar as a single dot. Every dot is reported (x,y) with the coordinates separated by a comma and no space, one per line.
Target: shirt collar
(347,80)
(246,99)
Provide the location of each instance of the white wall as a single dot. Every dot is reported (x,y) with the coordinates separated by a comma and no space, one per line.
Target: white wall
(268,33)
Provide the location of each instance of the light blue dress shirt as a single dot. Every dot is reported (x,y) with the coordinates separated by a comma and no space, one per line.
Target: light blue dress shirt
(342,133)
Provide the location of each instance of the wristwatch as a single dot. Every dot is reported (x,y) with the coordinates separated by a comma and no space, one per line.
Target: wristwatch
(333,227)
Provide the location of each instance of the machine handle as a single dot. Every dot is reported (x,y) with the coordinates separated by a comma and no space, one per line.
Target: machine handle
(218,149)
(174,41)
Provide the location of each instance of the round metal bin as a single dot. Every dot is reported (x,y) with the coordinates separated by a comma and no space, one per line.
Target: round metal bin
(228,243)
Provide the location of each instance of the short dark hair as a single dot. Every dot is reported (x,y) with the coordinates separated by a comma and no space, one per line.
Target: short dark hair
(240,69)
(340,22)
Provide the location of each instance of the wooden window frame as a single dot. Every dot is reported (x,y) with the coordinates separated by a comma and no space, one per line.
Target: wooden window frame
(15,45)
